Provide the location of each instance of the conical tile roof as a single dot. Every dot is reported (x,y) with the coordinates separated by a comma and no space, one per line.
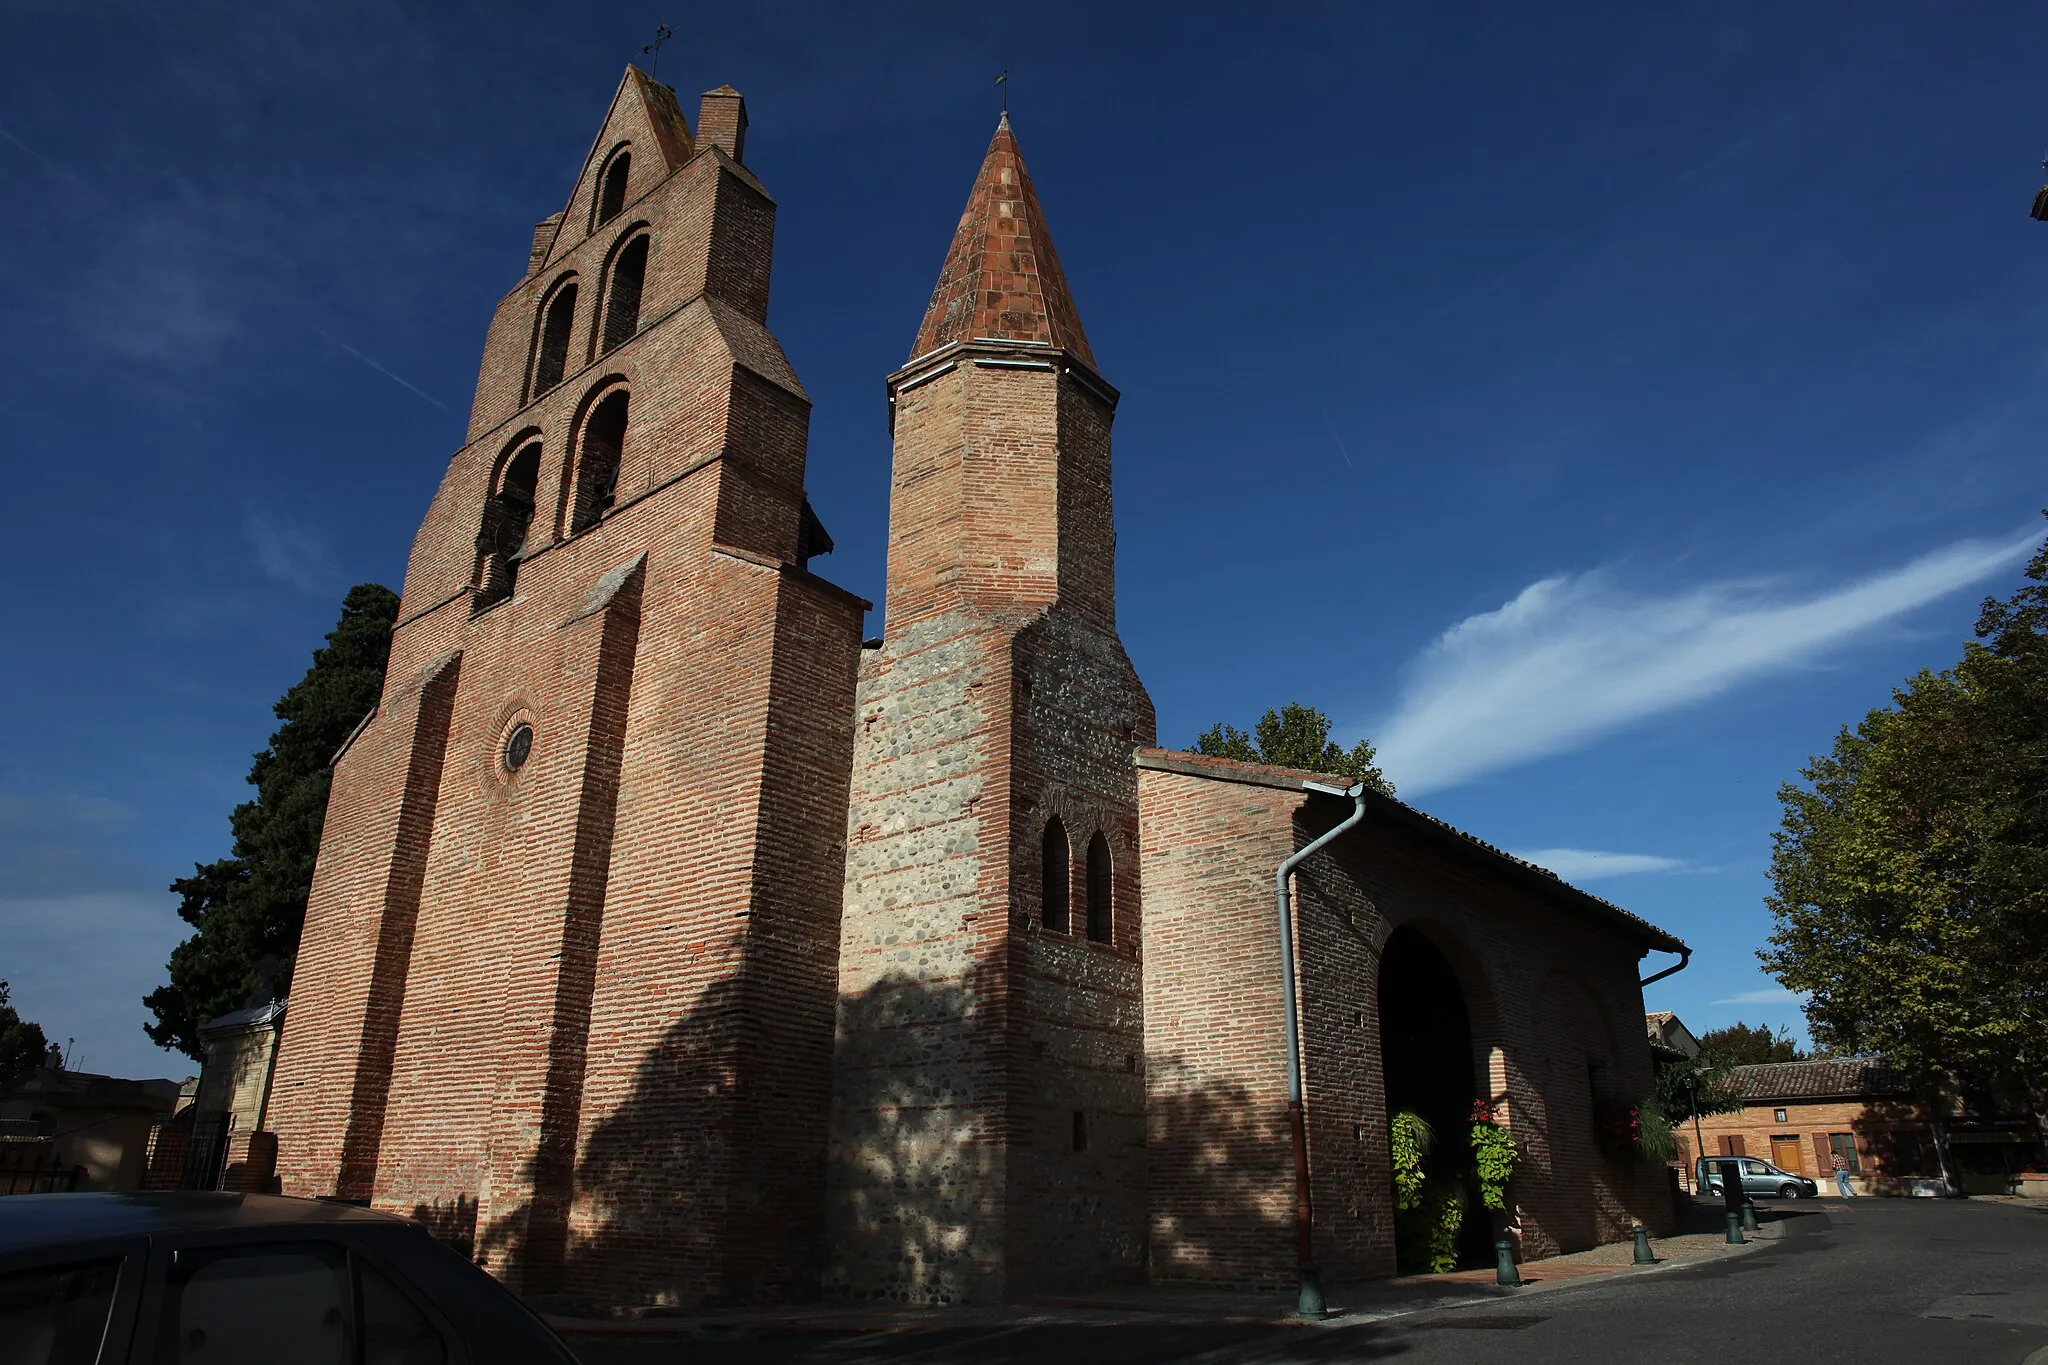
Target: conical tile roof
(1002,278)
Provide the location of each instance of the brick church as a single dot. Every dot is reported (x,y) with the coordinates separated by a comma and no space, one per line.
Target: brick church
(673,944)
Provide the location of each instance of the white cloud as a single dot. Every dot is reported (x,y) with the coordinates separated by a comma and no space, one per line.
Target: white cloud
(79,965)
(1774,995)
(1574,657)
(291,554)
(1586,864)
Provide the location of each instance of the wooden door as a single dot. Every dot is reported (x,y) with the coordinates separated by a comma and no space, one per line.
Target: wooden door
(1786,1155)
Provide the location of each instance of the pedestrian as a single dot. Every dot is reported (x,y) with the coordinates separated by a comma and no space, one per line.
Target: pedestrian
(1842,1176)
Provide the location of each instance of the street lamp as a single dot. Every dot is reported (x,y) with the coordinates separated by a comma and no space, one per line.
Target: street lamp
(1699,1142)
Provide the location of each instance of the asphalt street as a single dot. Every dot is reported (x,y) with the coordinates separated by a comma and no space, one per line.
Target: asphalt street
(1873,1280)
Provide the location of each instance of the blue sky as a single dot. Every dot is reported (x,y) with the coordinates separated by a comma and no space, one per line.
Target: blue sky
(1596,406)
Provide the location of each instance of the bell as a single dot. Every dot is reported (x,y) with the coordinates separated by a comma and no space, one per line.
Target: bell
(2040,212)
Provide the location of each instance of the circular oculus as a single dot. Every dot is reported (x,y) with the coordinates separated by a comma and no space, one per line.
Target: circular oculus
(518,745)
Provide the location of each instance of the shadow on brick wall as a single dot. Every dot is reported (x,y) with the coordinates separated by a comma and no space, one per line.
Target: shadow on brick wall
(1222,1182)
(686,1196)
(914,1180)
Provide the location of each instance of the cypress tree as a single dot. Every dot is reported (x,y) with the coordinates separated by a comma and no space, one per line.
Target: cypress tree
(249,907)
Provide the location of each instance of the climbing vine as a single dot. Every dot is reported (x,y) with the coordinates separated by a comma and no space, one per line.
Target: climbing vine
(1428,1210)
(1411,1138)
(1426,1236)
(1494,1155)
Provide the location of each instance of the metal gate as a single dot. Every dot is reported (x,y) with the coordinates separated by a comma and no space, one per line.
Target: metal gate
(206,1157)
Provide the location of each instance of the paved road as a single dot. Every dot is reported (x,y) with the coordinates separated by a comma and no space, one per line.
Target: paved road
(1872,1280)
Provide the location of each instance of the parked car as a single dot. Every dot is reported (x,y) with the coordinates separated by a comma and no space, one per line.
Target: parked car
(232,1278)
(1759,1177)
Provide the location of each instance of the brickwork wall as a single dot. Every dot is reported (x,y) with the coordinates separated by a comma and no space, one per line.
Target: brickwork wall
(987,1121)
(1077,1163)
(600,1046)
(334,1060)
(915,1204)
(1221,1174)
(1545,992)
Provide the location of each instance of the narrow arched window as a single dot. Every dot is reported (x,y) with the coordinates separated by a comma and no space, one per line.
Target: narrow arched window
(622,299)
(1098,888)
(597,465)
(551,350)
(1052,877)
(611,193)
(507,518)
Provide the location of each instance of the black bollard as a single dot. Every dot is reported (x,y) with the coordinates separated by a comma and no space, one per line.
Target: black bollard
(1309,1302)
(1504,1271)
(1749,1222)
(1735,1237)
(1643,1254)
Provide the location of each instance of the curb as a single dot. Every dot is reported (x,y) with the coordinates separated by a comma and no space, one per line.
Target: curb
(1059,1312)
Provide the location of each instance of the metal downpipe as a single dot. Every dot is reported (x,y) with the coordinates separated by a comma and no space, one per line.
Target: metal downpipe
(1309,1301)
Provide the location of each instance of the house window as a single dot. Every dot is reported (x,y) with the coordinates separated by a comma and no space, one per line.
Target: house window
(1099,876)
(1052,877)
(622,302)
(1778,1116)
(1844,1145)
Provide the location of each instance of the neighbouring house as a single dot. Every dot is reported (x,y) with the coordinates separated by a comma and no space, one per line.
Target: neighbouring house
(1670,1039)
(77,1130)
(1798,1115)
(217,1138)
(676,941)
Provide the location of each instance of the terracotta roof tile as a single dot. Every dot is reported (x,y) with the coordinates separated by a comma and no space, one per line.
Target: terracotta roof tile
(1002,278)
(1812,1080)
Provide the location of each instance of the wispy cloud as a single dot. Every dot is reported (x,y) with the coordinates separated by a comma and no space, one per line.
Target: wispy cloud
(1577,656)
(1775,995)
(1588,865)
(289,553)
(88,926)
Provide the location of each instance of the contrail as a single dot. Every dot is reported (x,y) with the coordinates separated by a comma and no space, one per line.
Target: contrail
(396,379)
(1331,423)
(52,167)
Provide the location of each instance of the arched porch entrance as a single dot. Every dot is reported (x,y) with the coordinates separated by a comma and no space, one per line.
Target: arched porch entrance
(1427,1062)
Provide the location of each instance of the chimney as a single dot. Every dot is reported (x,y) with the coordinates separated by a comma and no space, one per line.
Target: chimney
(543,234)
(722,120)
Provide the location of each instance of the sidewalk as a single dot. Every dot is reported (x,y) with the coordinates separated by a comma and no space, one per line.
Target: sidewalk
(1350,1304)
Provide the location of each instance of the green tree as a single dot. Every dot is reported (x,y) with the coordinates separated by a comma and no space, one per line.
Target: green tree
(1694,1086)
(1749,1045)
(1295,736)
(1910,871)
(22,1045)
(248,907)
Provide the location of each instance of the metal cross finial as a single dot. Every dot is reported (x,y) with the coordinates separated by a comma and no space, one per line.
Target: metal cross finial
(1003,80)
(662,33)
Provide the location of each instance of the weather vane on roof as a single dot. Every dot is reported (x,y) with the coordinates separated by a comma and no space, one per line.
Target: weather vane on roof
(1003,82)
(662,33)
